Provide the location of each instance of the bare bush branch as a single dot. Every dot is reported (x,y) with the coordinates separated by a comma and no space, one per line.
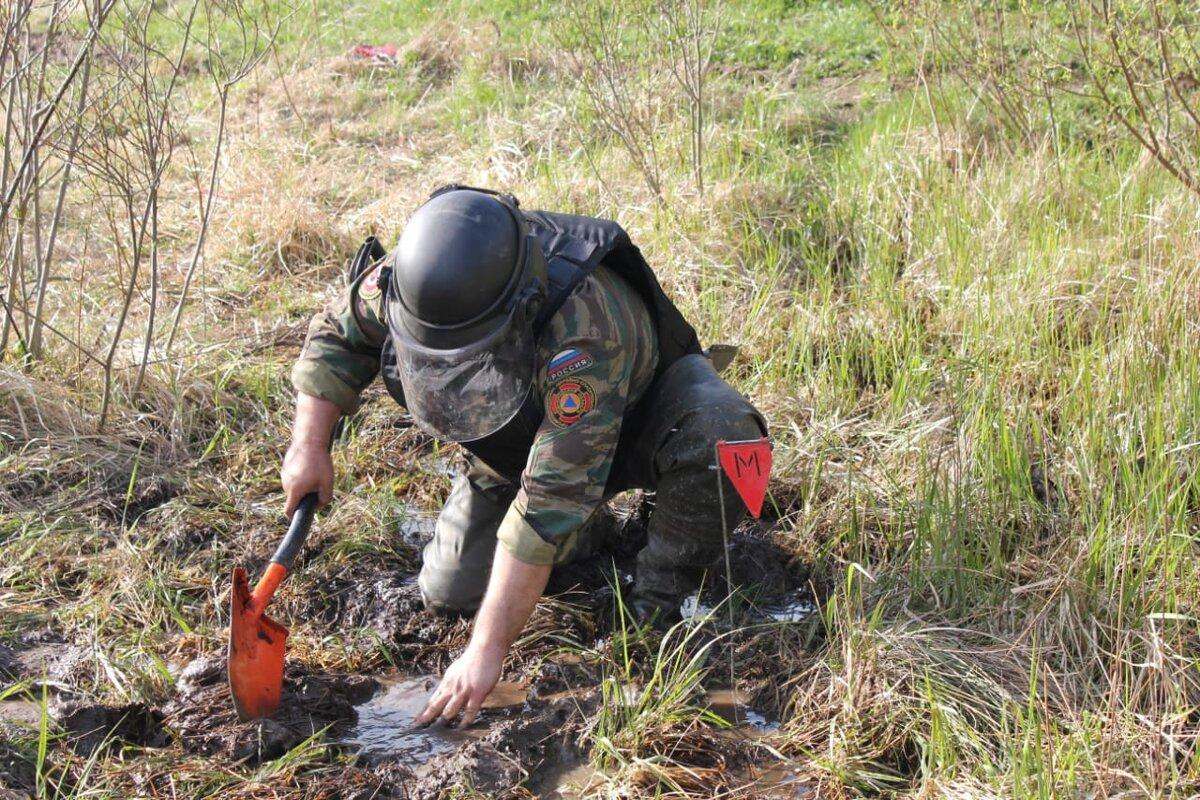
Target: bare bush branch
(689,28)
(607,43)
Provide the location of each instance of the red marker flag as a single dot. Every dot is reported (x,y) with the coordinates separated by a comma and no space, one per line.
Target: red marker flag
(748,465)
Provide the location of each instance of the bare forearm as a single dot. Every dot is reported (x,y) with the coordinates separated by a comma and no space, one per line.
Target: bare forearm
(512,593)
(307,466)
(314,420)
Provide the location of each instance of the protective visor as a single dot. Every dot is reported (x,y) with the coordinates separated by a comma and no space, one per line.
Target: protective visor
(470,392)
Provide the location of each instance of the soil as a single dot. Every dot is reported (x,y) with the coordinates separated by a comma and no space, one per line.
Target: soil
(201,714)
(91,727)
(532,741)
(18,775)
(43,659)
(10,667)
(545,735)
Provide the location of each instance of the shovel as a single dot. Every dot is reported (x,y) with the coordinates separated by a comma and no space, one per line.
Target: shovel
(256,642)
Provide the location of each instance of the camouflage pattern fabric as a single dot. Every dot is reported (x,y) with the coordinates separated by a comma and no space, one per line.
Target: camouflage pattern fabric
(693,408)
(596,358)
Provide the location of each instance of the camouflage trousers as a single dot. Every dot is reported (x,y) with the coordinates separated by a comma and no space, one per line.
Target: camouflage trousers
(690,408)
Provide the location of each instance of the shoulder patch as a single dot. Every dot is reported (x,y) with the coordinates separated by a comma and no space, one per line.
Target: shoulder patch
(567,362)
(569,400)
(369,288)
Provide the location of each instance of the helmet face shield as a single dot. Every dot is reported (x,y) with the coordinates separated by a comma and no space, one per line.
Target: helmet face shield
(467,281)
(466,393)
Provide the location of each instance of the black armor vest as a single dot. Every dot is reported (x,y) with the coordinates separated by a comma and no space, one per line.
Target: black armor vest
(573,247)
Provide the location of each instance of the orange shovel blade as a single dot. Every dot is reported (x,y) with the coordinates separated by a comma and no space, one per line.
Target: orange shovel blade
(256,646)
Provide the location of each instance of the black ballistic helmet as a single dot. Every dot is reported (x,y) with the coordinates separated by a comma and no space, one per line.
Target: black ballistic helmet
(467,282)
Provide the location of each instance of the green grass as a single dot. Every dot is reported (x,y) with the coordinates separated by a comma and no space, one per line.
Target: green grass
(978,355)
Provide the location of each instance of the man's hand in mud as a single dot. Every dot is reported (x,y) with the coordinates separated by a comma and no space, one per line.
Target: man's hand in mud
(464,687)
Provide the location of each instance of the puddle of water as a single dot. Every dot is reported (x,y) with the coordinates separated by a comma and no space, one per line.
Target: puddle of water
(734,707)
(385,722)
(417,527)
(795,609)
(579,780)
(385,731)
(730,705)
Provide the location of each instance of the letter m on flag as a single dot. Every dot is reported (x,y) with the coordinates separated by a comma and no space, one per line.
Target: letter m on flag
(748,465)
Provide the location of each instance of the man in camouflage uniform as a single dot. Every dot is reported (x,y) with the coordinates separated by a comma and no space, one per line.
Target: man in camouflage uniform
(588,382)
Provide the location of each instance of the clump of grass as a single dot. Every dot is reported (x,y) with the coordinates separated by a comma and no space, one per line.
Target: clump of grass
(653,732)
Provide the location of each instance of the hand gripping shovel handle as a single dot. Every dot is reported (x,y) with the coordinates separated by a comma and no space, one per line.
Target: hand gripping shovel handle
(285,554)
(297,532)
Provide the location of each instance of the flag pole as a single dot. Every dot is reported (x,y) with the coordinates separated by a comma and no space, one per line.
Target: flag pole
(728,572)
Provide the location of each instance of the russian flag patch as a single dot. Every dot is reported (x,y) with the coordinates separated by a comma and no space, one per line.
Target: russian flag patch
(567,362)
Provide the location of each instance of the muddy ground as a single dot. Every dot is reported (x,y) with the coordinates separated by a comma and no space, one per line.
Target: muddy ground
(522,748)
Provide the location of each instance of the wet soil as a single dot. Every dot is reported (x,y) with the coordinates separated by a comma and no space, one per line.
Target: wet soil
(202,717)
(530,739)
(384,730)
(92,727)
(533,741)
(18,775)
(41,660)
(541,738)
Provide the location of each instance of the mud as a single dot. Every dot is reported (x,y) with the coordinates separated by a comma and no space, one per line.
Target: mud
(18,774)
(10,668)
(539,739)
(763,569)
(735,708)
(92,727)
(19,713)
(531,739)
(45,660)
(534,742)
(384,730)
(390,607)
(202,718)
(517,742)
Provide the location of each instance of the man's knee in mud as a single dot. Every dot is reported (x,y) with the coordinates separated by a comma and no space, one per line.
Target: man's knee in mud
(449,595)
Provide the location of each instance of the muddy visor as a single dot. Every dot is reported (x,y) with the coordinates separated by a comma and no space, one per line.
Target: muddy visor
(469,392)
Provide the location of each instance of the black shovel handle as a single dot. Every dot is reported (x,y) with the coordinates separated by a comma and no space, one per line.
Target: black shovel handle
(302,519)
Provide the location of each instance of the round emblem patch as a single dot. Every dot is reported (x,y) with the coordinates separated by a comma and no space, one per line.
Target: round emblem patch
(369,289)
(569,400)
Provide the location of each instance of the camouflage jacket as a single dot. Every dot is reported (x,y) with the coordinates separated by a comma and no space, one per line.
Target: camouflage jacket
(596,358)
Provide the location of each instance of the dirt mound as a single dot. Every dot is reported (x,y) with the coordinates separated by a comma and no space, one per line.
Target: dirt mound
(761,564)
(391,607)
(202,714)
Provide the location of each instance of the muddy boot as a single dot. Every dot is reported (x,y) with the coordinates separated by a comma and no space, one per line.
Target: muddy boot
(458,560)
(684,537)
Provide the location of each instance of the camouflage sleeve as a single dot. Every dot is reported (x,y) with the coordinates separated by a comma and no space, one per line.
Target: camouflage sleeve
(340,357)
(585,377)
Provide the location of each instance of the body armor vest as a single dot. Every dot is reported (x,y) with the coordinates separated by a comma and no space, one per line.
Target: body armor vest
(573,247)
